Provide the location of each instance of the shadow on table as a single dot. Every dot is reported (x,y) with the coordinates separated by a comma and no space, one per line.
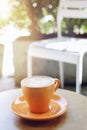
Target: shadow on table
(42,125)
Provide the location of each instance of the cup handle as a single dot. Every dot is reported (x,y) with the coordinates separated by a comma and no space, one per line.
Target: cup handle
(57,84)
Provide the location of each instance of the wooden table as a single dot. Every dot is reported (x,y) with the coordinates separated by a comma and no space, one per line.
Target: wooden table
(74,118)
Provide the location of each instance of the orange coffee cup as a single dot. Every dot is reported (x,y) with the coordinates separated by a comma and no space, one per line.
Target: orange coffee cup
(38,91)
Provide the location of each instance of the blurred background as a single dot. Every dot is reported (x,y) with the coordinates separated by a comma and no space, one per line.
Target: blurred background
(16,20)
(24,21)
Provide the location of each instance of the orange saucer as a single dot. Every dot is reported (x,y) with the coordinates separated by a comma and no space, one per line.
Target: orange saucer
(57,107)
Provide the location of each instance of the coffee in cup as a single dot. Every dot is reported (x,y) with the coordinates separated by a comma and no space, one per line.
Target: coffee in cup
(38,91)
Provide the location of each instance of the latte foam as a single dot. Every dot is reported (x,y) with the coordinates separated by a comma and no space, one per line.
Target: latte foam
(37,81)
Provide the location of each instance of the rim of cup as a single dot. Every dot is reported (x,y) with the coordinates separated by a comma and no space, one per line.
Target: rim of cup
(25,82)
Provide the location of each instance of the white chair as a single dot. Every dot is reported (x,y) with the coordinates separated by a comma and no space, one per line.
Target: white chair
(63,49)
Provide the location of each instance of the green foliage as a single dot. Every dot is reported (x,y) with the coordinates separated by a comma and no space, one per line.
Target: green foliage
(46,8)
(18,13)
(45,15)
(74,24)
(3,22)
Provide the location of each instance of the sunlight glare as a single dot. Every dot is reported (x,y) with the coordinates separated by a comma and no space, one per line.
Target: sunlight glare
(4,8)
